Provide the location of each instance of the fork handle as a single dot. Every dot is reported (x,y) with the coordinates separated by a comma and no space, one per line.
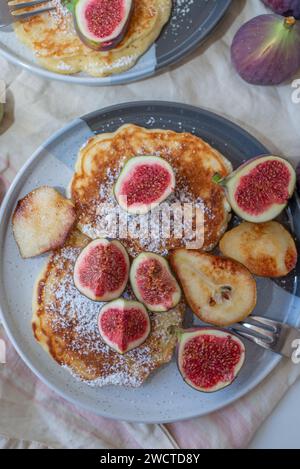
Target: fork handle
(290,344)
(30,14)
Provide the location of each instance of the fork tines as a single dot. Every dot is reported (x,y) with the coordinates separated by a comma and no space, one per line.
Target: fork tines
(15,8)
(260,330)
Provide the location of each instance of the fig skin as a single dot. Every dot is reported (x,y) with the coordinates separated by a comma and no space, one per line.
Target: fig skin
(284,7)
(231,183)
(158,307)
(101,46)
(183,338)
(266,49)
(89,291)
(122,304)
(126,174)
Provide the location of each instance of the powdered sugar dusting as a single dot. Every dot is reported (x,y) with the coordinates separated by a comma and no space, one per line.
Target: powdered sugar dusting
(181,10)
(146,231)
(73,318)
(60,12)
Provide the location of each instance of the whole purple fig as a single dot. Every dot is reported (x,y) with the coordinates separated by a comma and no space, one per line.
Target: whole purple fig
(266,49)
(285,7)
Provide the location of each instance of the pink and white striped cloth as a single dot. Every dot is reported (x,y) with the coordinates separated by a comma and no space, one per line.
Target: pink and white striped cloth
(33,416)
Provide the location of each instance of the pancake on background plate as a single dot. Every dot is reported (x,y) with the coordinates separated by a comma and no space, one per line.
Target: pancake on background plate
(57,47)
(193,161)
(65,324)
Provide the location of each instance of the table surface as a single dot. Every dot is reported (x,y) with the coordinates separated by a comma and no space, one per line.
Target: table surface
(281,429)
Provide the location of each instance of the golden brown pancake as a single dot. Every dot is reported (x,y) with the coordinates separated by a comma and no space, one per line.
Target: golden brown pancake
(58,48)
(65,325)
(193,160)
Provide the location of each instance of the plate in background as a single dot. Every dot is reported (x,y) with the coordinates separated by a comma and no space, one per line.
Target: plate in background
(190,23)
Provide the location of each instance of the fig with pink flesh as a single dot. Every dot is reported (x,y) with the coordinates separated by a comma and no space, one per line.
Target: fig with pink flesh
(101,270)
(259,190)
(144,183)
(266,50)
(124,325)
(102,24)
(153,282)
(285,7)
(209,359)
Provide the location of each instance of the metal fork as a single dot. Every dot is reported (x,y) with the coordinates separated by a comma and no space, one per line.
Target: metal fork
(269,334)
(11,11)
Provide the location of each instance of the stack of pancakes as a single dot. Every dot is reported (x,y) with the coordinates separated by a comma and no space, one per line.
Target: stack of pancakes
(64,321)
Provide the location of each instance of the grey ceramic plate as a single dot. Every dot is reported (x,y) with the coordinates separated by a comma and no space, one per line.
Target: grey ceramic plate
(190,23)
(164,397)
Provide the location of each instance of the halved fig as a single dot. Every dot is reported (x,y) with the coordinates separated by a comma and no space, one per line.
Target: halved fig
(144,183)
(42,221)
(259,190)
(102,24)
(219,290)
(124,325)
(153,282)
(209,359)
(285,7)
(101,270)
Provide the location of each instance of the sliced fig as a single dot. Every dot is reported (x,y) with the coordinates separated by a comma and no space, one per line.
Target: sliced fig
(285,7)
(153,282)
(259,190)
(102,24)
(101,270)
(209,359)
(1,110)
(266,50)
(144,183)
(124,325)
